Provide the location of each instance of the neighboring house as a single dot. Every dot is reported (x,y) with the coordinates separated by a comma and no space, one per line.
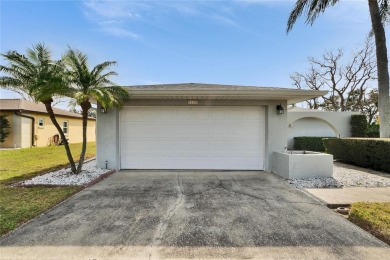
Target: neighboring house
(196,126)
(313,122)
(31,125)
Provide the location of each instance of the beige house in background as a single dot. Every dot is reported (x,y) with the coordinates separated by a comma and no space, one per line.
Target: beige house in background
(31,125)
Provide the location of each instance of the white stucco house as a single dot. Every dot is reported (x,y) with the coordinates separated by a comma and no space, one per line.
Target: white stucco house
(311,122)
(196,126)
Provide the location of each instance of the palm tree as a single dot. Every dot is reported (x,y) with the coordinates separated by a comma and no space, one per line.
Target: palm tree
(379,13)
(40,78)
(91,84)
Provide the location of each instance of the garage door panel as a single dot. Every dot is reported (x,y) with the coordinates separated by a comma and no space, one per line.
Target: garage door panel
(131,115)
(202,130)
(184,114)
(129,129)
(218,114)
(253,114)
(149,145)
(183,130)
(147,130)
(219,129)
(129,144)
(165,130)
(236,115)
(201,114)
(192,138)
(167,145)
(192,147)
(253,161)
(166,114)
(149,114)
(201,162)
(231,162)
(139,148)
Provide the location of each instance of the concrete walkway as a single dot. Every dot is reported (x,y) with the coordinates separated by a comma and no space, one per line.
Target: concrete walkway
(346,196)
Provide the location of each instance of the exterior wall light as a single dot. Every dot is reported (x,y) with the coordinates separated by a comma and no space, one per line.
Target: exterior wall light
(103,110)
(279,109)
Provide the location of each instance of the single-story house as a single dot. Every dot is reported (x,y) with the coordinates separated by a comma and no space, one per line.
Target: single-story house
(314,122)
(196,126)
(31,125)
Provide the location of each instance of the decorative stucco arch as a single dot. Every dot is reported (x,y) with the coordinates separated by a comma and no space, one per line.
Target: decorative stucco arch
(333,127)
(338,122)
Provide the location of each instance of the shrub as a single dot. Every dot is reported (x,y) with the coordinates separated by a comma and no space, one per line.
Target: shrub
(358,125)
(5,128)
(309,143)
(373,131)
(365,152)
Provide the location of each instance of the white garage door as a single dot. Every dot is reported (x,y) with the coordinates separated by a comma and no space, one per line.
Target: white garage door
(225,138)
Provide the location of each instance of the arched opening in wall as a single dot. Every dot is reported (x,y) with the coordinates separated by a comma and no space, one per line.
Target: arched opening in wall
(309,126)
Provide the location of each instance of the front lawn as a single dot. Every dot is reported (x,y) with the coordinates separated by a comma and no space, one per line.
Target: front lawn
(18,205)
(28,162)
(372,217)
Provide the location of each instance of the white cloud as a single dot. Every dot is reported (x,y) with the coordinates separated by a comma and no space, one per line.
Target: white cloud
(120,32)
(111,17)
(114,9)
(118,17)
(224,20)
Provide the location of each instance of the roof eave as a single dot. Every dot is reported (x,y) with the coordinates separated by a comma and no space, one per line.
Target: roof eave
(291,96)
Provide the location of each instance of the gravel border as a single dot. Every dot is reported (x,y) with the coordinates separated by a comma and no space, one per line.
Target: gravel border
(64,177)
(345,176)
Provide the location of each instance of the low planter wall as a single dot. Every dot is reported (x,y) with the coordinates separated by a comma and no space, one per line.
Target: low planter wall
(302,164)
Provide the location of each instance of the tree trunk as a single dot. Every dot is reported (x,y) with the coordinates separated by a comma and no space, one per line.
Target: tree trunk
(66,144)
(85,106)
(383,71)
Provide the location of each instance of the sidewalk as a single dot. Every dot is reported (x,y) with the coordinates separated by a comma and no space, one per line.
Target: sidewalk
(346,196)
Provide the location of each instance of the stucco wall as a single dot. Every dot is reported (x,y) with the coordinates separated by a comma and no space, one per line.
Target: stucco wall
(21,130)
(43,134)
(107,139)
(318,123)
(297,166)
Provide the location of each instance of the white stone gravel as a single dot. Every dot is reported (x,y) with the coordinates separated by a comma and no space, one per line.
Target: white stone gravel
(65,177)
(345,175)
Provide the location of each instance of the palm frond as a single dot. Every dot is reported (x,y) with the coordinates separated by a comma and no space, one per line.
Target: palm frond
(95,83)
(98,69)
(311,8)
(35,74)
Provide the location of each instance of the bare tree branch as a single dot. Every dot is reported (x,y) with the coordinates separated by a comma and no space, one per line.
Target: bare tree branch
(348,82)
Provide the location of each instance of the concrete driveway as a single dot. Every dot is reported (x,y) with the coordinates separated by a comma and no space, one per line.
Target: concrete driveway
(172,214)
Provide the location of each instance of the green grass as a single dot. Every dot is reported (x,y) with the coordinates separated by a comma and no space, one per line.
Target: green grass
(18,204)
(373,217)
(24,163)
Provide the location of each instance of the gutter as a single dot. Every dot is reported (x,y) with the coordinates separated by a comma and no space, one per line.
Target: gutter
(19,113)
(278,92)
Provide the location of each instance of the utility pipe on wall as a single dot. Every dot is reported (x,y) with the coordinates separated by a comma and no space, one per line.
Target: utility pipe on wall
(19,113)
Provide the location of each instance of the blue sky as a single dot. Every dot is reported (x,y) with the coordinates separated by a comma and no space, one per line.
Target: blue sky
(223,42)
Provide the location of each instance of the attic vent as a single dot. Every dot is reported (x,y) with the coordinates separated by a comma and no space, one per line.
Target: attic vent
(193,102)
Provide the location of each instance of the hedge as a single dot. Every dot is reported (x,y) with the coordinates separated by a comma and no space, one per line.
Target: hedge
(358,125)
(309,143)
(372,131)
(365,152)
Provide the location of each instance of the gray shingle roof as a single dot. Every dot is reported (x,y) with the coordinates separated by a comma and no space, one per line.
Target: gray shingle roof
(199,86)
(25,105)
